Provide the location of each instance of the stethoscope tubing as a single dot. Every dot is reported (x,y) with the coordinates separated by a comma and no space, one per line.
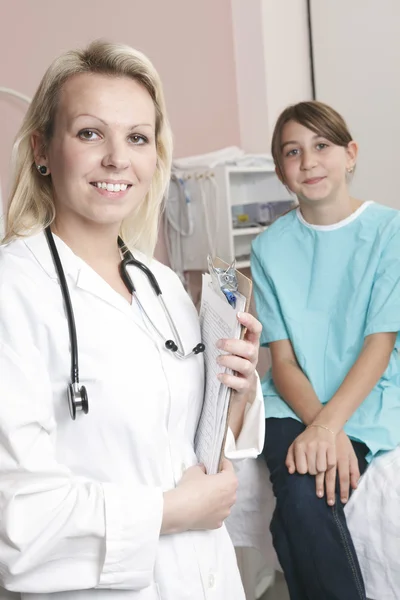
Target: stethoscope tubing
(127,260)
(68,306)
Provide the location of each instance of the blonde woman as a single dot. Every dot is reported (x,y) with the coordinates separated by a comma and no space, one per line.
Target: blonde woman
(109,503)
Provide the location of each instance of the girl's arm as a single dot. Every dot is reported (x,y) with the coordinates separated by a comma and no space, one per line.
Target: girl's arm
(294,387)
(291,382)
(323,447)
(359,382)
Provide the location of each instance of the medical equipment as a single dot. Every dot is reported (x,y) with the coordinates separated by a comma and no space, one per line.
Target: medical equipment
(259,213)
(191,219)
(178,222)
(207,192)
(77,394)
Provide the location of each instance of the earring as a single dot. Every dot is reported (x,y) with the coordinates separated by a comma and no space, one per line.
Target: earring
(42,169)
(350,170)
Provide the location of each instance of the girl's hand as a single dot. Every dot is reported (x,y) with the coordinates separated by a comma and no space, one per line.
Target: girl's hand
(200,501)
(313,451)
(346,468)
(241,357)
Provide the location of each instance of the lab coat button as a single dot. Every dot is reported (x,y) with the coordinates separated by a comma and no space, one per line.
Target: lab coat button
(211,580)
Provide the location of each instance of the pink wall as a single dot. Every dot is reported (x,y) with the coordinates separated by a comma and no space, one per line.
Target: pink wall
(189,41)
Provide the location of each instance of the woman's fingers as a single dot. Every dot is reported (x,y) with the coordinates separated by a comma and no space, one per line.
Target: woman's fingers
(253,327)
(240,348)
(235,363)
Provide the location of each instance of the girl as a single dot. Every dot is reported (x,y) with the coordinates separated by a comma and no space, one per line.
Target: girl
(327,289)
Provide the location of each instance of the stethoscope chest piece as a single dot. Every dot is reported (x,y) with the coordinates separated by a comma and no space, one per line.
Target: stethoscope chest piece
(77,400)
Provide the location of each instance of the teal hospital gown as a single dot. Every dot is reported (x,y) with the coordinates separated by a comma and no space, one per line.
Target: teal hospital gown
(325,288)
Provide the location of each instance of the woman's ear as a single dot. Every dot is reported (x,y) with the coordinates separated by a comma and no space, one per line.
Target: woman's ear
(39,152)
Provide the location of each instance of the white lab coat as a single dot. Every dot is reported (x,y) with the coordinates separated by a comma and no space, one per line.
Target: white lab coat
(81,502)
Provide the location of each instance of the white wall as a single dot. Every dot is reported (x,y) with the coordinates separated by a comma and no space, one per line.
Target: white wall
(251,83)
(190,42)
(272,64)
(287,55)
(357,71)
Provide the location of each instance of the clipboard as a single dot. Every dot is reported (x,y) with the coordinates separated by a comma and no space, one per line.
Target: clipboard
(245,287)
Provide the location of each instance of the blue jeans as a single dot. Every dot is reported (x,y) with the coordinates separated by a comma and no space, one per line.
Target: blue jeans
(311,539)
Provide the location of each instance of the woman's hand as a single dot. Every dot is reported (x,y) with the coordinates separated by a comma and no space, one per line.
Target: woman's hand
(200,501)
(241,357)
(346,469)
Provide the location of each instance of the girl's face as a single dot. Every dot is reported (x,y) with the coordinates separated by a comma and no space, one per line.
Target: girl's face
(102,155)
(314,168)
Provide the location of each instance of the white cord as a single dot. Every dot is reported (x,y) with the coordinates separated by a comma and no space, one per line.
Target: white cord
(178,226)
(179,220)
(212,204)
(183,200)
(11,92)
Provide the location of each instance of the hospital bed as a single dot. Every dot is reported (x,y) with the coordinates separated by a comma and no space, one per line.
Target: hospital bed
(373,516)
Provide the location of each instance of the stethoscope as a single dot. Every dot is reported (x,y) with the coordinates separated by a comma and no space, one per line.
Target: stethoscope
(77,394)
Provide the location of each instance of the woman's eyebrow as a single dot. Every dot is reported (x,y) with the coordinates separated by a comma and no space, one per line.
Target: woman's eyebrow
(107,124)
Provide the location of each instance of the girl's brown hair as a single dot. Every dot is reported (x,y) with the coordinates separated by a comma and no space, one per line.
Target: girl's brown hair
(316,116)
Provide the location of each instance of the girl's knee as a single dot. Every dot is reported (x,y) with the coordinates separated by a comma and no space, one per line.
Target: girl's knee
(298,491)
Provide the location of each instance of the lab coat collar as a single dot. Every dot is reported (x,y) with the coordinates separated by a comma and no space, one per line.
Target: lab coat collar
(85,278)
(38,246)
(76,270)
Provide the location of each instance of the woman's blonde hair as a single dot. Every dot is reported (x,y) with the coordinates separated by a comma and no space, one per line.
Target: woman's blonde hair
(31,205)
(316,116)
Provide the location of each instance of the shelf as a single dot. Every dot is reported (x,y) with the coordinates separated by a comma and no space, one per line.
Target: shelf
(244,170)
(248,230)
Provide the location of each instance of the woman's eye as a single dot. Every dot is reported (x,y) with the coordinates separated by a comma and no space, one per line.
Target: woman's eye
(293,152)
(88,134)
(138,139)
(321,146)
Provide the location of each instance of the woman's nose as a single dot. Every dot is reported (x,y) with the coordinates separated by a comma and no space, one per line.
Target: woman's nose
(116,155)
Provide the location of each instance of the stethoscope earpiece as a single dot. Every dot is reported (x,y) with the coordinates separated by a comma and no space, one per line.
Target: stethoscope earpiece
(77,400)
(170,345)
(199,348)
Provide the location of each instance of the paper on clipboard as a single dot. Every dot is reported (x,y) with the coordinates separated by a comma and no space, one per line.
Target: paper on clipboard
(218,319)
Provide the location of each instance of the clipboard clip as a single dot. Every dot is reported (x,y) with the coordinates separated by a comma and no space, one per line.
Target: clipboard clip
(224,280)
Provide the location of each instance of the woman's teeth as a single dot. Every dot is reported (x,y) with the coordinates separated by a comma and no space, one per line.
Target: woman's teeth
(111,187)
